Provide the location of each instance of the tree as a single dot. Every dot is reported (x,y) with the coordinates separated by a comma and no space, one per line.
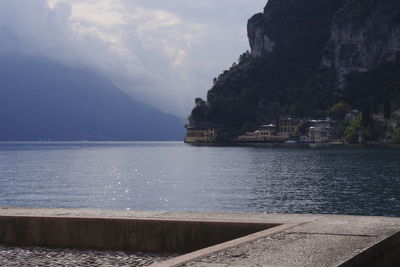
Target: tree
(374,131)
(351,135)
(339,110)
(366,115)
(244,57)
(199,102)
(396,136)
(351,132)
(387,107)
(199,112)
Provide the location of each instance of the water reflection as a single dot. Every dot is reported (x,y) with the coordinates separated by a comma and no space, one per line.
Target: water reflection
(174,176)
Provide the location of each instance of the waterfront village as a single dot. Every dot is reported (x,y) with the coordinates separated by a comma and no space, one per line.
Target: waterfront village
(286,130)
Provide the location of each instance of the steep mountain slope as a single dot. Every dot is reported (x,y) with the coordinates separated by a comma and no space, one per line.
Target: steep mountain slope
(42,99)
(307,55)
(363,52)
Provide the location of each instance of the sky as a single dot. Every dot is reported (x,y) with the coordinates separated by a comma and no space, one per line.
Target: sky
(162,52)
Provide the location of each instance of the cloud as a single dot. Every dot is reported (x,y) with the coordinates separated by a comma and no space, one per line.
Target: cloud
(162,52)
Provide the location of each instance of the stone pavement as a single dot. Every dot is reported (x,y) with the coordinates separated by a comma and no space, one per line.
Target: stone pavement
(311,241)
(299,240)
(35,256)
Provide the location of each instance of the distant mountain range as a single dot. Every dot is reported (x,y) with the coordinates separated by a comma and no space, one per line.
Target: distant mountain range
(41,99)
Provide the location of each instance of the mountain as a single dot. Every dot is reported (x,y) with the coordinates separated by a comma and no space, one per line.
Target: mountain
(306,56)
(42,99)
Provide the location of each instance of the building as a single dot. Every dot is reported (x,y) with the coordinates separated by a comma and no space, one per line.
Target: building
(390,124)
(304,138)
(268,132)
(287,125)
(201,133)
(250,137)
(293,130)
(287,129)
(352,115)
(321,131)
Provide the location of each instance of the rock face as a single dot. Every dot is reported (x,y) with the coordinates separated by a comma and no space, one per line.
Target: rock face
(260,43)
(284,23)
(364,35)
(307,55)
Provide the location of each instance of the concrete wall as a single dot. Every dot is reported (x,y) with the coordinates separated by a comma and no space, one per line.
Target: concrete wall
(385,253)
(149,235)
(290,239)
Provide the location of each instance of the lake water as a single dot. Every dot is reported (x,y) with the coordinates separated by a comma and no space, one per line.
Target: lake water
(175,176)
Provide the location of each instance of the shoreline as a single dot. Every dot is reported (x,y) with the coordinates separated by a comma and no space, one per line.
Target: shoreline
(294,145)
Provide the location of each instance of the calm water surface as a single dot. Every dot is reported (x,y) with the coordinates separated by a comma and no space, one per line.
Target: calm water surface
(175,176)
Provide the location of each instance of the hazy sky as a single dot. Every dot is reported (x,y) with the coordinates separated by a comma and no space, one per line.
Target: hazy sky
(163,52)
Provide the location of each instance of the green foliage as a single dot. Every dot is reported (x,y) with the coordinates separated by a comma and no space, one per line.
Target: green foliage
(341,128)
(366,115)
(396,136)
(387,106)
(199,112)
(244,57)
(374,131)
(339,110)
(351,135)
(351,132)
(199,102)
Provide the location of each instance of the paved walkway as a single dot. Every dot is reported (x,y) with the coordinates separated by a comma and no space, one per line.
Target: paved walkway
(11,256)
(302,240)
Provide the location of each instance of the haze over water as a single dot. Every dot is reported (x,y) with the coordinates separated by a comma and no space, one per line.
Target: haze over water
(175,176)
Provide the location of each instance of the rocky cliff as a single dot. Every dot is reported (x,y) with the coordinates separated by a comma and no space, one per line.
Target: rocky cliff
(307,55)
(364,35)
